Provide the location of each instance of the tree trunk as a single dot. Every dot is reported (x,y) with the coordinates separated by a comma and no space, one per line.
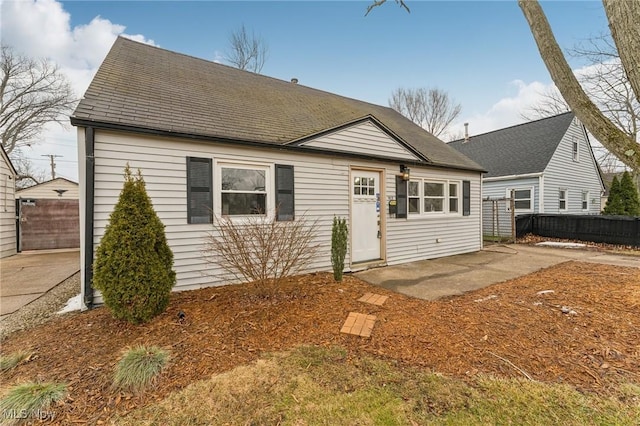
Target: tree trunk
(611,137)
(624,22)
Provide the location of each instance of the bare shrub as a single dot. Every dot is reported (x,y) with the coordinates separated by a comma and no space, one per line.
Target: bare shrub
(259,248)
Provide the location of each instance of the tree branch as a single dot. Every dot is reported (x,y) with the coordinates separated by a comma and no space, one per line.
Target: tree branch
(614,139)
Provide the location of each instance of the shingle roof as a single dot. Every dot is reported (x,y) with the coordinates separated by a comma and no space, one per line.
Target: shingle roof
(525,148)
(146,87)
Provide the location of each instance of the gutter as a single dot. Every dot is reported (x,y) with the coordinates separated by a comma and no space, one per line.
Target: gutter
(499,178)
(89,140)
(261,144)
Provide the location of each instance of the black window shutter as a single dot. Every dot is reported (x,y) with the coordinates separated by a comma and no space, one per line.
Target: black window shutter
(285,209)
(199,190)
(466,198)
(401,198)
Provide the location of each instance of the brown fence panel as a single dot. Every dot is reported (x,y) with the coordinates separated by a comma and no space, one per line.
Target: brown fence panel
(49,224)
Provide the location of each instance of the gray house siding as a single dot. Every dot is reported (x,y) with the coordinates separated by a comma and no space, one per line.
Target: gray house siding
(574,177)
(322,190)
(502,189)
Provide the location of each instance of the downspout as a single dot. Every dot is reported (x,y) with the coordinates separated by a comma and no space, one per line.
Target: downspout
(89,210)
(541,194)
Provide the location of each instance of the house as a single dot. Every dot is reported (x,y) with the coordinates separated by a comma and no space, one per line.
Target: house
(8,176)
(57,189)
(548,163)
(213,140)
(48,215)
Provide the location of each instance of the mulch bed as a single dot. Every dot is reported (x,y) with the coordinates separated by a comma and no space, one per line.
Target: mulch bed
(507,330)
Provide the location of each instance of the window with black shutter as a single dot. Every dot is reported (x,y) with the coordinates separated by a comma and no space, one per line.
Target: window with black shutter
(199,190)
(466,198)
(284,193)
(401,198)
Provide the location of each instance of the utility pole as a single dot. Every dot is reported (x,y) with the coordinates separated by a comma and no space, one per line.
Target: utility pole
(53,164)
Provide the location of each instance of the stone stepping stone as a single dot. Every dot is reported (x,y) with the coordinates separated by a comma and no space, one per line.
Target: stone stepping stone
(374,299)
(359,324)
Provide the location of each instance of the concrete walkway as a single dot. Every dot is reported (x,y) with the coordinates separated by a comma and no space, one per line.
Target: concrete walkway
(26,276)
(455,275)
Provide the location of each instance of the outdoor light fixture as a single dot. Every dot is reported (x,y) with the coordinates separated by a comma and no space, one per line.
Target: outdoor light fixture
(405,172)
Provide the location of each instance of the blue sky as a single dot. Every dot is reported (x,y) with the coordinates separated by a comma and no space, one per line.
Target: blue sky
(481,52)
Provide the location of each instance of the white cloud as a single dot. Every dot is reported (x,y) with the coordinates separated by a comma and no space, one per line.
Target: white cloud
(506,111)
(42,28)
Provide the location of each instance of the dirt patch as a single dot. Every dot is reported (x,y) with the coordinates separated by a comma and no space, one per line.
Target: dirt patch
(585,333)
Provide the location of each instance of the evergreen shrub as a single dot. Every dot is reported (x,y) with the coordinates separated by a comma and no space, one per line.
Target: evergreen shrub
(339,238)
(133,265)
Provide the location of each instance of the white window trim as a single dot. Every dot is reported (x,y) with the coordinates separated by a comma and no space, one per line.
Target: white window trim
(445,203)
(566,200)
(532,198)
(575,154)
(419,197)
(582,200)
(217,186)
(458,196)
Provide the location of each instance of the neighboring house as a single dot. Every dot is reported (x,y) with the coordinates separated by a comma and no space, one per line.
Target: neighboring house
(57,189)
(8,176)
(548,163)
(213,141)
(48,216)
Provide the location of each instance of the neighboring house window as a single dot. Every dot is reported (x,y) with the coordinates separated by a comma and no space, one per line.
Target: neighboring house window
(433,197)
(576,153)
(414,197)
(522,199)
(199,190)
(585,200)
(562,199)
(454,196)
(243,190)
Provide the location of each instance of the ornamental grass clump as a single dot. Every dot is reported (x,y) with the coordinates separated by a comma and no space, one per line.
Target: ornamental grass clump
(139,367)
(133,266)
(31,400)
(9,361)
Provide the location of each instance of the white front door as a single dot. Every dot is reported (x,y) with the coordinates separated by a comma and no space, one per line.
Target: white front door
(365,220)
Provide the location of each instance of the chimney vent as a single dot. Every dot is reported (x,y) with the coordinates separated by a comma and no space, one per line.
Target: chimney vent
(294,80)
(466,132)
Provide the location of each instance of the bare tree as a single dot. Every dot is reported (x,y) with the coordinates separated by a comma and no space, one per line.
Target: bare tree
(247,51)
(550,104)
(28,175)
(34,93)
(607,85)
(624,22)
(432,109)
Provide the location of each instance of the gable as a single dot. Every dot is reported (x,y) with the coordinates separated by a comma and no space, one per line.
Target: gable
(563,167)
(47,190)
(362,138)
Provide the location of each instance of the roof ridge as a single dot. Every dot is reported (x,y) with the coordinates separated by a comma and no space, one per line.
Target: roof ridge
(513,126)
